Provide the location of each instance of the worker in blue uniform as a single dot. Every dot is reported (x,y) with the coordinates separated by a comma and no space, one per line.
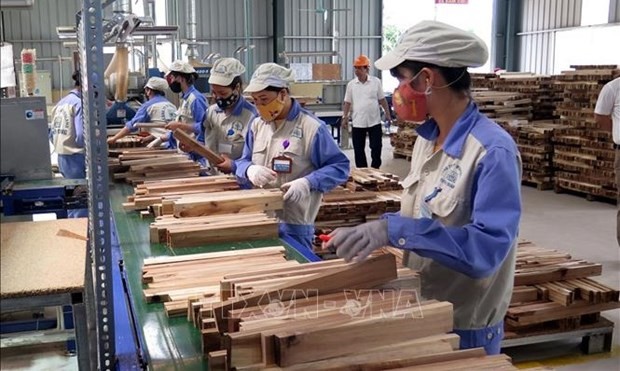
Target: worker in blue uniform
(289,148)
(461,203)
(227,121)
(157,109)
(193,108)
(67,136)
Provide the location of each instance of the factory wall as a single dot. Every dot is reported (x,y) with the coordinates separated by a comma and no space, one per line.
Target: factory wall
(542,21)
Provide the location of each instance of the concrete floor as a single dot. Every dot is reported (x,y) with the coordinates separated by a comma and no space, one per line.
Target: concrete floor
(565,222)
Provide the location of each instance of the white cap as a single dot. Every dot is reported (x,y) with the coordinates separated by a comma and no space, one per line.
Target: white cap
(157,83)
(436,43)
(270,74)
(181,67)
(225,70)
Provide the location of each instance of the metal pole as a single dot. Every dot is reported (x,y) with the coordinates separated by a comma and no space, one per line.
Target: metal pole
(101,303)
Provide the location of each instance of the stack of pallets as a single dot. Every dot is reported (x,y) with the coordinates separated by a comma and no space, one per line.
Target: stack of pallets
(554,293)
(535,142)
(403,140)
(369,179)
(584,154)
(506,105)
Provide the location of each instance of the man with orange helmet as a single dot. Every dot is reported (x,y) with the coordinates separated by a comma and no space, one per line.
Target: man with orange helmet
(363,96)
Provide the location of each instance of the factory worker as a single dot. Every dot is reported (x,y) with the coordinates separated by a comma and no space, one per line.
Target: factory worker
(287,147)
(228,119)
(67,136)
(461,203)
(157,109)
(193,108)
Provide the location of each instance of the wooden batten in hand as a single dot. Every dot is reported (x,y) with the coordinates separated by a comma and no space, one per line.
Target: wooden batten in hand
(197,147)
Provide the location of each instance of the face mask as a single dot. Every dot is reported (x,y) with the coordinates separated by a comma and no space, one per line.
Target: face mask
(224,103)
(409,104)
(271,110)
(176,87)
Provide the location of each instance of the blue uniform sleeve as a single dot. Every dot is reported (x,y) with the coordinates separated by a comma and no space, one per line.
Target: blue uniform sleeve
(243,163)
(199,111)
(78,121)
(476,249)
(141,116)
(332,166)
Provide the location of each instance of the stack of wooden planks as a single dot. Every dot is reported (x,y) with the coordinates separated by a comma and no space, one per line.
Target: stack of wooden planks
(283,315)
(507,105)
(584,154)
(403,140)
(130,141)
(539,88)
(174,280)
(201,230)
(350,209)
(152,193)
(535,142)
(370,179)
(138,166)
(553,292)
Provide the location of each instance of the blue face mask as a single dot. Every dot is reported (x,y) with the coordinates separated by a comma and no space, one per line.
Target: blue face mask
(224,103)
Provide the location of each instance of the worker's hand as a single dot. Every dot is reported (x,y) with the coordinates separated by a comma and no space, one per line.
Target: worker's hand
(147,139)
(296,190)
(261,175)
(111,140)
(183,147)
(358,242)
(173,125)
(344,122)
(225,166)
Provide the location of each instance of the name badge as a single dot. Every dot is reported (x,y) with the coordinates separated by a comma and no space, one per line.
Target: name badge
(425,211)
(282,164)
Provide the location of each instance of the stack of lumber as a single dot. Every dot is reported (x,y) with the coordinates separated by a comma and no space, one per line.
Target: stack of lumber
(370,179)
(202,230)
(174,280)
(539,88)
(129,141)
(228,202)
(318,316)
(141,165)
(535,142)
(506,105)
(403,140)
(554,292)
(346,209)
(152,193)
(584,154)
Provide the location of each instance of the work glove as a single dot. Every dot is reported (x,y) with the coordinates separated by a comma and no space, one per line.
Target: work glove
(296,190)
(358,242)
(261,175)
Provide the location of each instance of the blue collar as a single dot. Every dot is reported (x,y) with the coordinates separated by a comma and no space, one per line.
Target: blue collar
(294,111)
(455,141)
(237,107)
(189,91)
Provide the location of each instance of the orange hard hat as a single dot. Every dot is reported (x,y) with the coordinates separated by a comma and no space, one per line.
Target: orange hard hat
(361,61)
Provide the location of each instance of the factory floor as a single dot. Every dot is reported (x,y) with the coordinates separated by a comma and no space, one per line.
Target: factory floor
(569,223)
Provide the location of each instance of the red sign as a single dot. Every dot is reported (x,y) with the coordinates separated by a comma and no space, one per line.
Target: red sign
(450,1)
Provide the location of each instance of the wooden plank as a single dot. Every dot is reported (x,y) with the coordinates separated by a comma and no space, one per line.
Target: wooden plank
(218,360)
(195,146)
(368,273)
(542,312)
(294,347)
(229,202)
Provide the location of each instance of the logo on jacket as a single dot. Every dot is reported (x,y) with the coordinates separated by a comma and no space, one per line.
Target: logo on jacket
(450,175)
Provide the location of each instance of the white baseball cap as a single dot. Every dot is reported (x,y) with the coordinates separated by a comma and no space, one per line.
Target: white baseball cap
(181,67)
(225,70)
(270,74)
(439,44)
(157,83)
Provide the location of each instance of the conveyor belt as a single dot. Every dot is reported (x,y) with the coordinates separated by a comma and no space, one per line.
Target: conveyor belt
(171,344)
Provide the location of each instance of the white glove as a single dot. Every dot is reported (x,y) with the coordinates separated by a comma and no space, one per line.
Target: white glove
(296,190)
(360,241)
(261,175)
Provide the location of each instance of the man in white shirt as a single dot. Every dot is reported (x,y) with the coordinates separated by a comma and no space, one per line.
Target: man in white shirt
(607,114)
(363,97)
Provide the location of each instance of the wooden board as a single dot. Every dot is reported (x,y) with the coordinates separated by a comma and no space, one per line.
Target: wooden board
(195,146)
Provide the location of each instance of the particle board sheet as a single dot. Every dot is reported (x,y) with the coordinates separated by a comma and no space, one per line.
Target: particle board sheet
(42,258)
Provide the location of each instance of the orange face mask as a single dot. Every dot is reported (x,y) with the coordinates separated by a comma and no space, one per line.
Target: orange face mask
(410,104)
(271,110)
